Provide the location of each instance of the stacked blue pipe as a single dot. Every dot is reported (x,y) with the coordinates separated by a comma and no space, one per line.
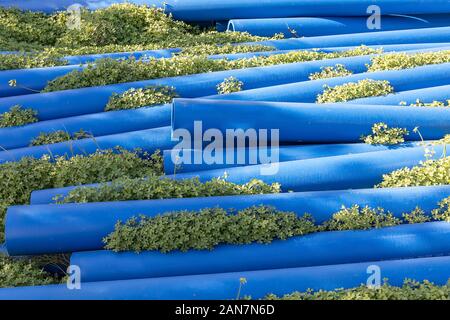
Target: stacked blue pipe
(60,104)
(50,228)
(316,249)
(323,26)
(149,140)
(362,170)
(308,91)
(215,10)
(303,122)
(184,160)
(409,97)
(96,125)
(259,283)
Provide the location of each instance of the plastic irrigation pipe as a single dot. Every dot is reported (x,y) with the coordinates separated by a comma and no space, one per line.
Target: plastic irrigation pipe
(161,53)
(322,248)
(307,91)
(148,140)
(32,80)
(427,95)
(96,124)
(386,48)
(323,26)
(45,227)
(428,35)
(224,286)
(362,170)
(173,159)
(67,103)
(303,122)
(215,10)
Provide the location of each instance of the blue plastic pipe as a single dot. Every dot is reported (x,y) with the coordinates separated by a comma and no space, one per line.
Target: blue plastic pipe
(173,159)
(96,125)
(67,103)
(224,286)
(428,35)
(307,91)
(148,140)
(45,228)
(362,170)
(323,26)
(419,47)
(160,53)
(302,122)
(322,248)
(426,95)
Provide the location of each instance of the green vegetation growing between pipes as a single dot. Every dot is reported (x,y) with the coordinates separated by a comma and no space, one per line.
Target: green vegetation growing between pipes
(155,187)
(59,136)
(338,70)
(398,61)
(17,116)
(19,179)
(141,97)
(355,90)
(23,272)
(382,134)
(410,290)
(211,49)
(207,228)
(118,28)
(229,85)
(435,103)
(429,172)
(110,71)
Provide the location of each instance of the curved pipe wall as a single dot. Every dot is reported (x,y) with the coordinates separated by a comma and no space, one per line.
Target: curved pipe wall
(82,226)
(317,249)
(96,124)
(248,156)
(259,283)
(148,140)
(306,122)
(67,103)
(428,95)
(307,91)
(362,170)
(428,35)
(316,26)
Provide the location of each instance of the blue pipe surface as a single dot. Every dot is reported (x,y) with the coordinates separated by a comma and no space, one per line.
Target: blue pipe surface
(426,95)
(215,10)
(307,91)
(323,26)
(362,170)
(160,53)
(224,286)
(301,122)
(148,140)
(96,124)
(419,47)
(174,159)
(316,249)
(67,103)
(428,35)
(82,226)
